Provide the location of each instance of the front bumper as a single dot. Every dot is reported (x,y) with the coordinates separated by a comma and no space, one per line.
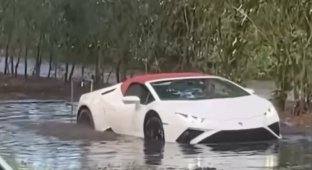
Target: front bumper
(193,136)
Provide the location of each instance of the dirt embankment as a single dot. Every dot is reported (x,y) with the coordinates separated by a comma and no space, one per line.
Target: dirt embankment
(18,88)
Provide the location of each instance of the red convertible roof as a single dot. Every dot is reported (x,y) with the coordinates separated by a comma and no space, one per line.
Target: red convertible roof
(156,76)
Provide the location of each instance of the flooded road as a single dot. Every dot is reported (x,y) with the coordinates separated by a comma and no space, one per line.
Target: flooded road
(44,136)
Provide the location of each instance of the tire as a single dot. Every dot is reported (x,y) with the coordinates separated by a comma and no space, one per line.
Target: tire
(153,130)
(85,119)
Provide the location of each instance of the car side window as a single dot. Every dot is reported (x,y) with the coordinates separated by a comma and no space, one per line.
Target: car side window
(133,90)
(142,92)
(149,98)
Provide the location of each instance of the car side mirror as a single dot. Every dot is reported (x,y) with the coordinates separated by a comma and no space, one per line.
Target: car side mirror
(251,91)
(131,99)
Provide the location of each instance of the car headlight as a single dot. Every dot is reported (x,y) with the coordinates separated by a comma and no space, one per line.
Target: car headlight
(270,112)
(190,117)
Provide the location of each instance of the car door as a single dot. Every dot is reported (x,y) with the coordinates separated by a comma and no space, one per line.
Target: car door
(127,118)
(146,98)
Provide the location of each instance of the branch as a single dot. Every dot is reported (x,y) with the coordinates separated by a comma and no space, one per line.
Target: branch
(251,20)
(310,28)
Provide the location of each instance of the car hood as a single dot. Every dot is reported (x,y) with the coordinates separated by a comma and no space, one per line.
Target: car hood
(222,109)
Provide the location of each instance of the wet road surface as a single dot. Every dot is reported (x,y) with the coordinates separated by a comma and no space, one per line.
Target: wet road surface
(44,136)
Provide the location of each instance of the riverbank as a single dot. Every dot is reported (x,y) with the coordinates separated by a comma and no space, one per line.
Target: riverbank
(18,88)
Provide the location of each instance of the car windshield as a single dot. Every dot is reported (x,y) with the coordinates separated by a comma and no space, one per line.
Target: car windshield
(196,89)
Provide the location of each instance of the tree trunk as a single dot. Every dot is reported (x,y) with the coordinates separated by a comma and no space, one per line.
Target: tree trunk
(123,69)
(39,66)
(50,66)
(6,67)
(66,72)
(55,70)
(18,60)
(124,65)
(109,75)
(25,62)
(118,71)
(97,67)
(6,63)
(38,59)
(124,72)
(82,71)
(71,72)
(12,65)
(280,100)
(16,66)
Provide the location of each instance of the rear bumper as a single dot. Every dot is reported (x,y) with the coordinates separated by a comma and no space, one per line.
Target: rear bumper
(193,136)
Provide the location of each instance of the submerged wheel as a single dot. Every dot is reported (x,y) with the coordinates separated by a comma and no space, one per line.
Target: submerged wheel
(153,129)
(85,118)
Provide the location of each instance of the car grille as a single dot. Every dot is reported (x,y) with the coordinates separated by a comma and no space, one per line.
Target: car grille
(249,135)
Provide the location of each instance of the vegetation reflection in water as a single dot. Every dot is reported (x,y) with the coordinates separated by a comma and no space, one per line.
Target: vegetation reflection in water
(43,136)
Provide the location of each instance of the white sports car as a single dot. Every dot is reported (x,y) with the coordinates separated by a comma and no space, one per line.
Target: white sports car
(180,107)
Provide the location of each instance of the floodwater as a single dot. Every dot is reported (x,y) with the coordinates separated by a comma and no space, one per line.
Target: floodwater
(44,136)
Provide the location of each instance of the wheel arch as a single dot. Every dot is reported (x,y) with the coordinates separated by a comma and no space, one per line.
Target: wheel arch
(84,111)
(149,114)
(98,115)
(81,108)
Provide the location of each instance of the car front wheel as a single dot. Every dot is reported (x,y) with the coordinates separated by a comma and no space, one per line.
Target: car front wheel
(85,119)
(153,130)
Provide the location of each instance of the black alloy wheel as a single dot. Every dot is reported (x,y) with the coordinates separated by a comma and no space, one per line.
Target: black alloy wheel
(153,130)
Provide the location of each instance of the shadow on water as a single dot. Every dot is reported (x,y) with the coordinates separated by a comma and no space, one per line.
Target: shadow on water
(45,136)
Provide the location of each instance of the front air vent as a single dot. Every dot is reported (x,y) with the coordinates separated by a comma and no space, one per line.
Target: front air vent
(275,127)
(248,135)
(188,135)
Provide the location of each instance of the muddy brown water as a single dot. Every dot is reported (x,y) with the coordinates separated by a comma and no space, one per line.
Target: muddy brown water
(44,136)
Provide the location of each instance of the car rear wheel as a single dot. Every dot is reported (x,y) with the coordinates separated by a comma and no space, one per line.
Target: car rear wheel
(153,130)
(85,119)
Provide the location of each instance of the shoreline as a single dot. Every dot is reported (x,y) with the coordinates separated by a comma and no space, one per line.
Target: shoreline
(17,88)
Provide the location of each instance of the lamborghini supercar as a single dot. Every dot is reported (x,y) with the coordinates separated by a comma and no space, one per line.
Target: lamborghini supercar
(182,107)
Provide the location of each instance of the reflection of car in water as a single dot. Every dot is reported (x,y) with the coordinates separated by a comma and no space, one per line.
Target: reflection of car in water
(136,155)
(180,107)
